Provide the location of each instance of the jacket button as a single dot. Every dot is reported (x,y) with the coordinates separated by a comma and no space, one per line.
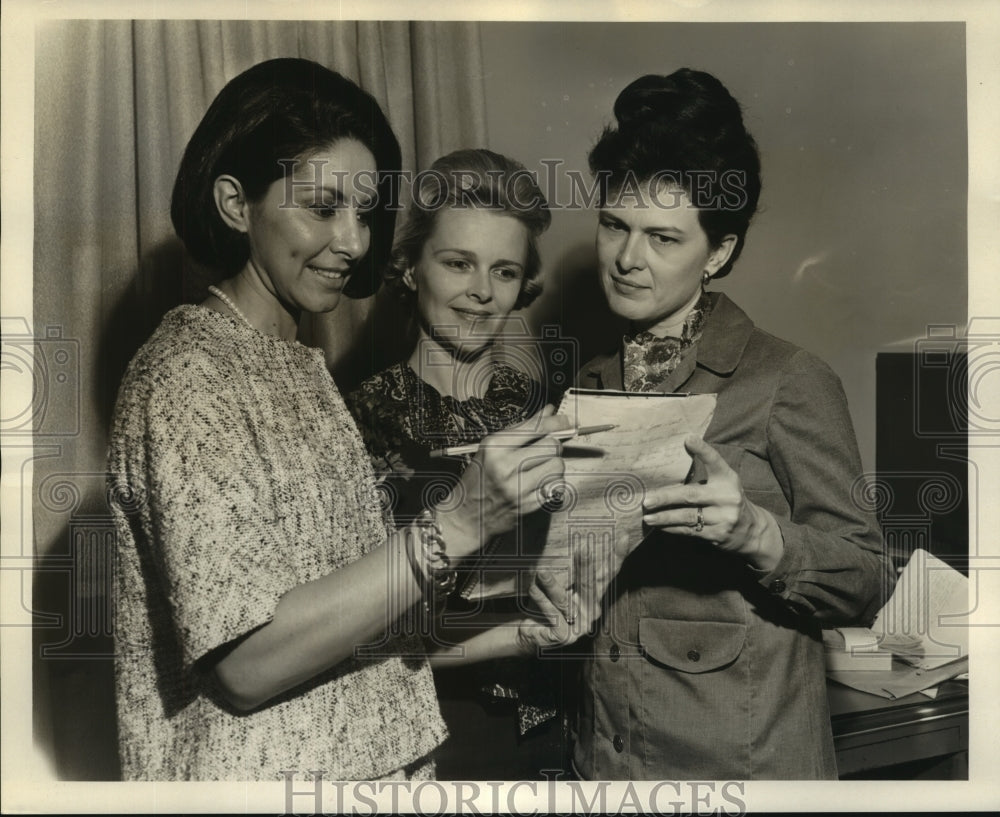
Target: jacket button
(616,653)
(619,743)
(694,655)
(778,586)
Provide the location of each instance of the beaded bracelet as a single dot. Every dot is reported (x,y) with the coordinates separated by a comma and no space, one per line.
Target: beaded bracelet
(432,567)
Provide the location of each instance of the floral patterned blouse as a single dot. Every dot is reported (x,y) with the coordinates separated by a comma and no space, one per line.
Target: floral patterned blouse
(402,419)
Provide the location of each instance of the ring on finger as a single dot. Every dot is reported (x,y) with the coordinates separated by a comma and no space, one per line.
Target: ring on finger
(552,494)
(567,611)
(699,524)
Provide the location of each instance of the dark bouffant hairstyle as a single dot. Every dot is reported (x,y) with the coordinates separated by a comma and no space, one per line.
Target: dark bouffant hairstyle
(477,178)
(282,109)
(685,129)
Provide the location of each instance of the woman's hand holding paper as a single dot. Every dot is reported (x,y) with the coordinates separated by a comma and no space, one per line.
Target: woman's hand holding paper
(566,614)
(716,511)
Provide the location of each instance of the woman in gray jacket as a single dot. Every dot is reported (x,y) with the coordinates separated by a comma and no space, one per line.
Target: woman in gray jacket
(708,663)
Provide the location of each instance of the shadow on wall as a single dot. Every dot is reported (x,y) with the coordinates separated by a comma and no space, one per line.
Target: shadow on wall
(73,596)
(578,307)
(361,336)
(167,277)
(73,672)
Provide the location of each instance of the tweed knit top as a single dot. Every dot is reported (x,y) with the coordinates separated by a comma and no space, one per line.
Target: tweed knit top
(236,474)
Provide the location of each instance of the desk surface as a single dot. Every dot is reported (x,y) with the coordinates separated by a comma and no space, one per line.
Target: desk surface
(846,702)
(871,732)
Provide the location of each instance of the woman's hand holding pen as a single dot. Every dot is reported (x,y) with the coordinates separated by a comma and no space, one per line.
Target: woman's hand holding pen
(715,510)
(502,482)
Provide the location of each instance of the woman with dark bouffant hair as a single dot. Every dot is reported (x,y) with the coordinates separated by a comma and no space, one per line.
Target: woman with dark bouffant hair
(262,599)
(709,663)
(466,257)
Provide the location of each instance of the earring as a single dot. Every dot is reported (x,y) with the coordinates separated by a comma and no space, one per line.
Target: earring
(706,276)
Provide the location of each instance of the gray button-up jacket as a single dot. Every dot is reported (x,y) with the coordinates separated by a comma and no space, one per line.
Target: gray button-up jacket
(704,668)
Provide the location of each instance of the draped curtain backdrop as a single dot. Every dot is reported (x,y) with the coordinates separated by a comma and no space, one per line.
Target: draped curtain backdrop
(115,103)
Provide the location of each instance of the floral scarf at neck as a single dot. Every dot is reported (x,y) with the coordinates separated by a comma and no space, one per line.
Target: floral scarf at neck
(649,360)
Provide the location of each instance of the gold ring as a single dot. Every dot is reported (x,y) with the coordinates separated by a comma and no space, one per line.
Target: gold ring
(700,523)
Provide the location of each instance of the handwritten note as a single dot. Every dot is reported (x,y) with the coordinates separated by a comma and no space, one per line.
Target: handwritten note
(924,625)
(598,520)
(924,622)
(595,517)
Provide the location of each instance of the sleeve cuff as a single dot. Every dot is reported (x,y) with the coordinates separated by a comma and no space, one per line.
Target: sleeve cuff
(778,579)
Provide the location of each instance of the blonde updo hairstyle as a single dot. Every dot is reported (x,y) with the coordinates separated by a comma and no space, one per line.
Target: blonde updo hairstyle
(472,178)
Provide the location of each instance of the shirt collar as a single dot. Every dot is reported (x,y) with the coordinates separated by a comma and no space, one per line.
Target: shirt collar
(723,340)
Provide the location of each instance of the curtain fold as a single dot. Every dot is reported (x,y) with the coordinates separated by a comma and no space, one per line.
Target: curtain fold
(116,101)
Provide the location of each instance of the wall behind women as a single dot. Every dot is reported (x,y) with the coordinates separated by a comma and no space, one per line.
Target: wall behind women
(860,242)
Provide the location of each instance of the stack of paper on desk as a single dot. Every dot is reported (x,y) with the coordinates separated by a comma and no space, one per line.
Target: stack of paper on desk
(854,648)
(924,626)
(924,622)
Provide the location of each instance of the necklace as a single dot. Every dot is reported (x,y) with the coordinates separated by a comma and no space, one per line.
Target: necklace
(218,293)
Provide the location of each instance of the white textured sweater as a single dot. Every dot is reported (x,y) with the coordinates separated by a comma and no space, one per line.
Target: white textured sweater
(236,473)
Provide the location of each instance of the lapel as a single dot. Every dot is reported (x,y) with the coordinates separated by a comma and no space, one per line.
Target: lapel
(727,332)
(610,373)
(720,348)
(679,376)
(723,340)
(603,372)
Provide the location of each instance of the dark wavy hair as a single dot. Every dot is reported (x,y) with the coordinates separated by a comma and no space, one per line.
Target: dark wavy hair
(477,178)
(282,109)
(685,129)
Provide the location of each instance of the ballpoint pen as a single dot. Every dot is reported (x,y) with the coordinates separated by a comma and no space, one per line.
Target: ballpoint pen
(564,434)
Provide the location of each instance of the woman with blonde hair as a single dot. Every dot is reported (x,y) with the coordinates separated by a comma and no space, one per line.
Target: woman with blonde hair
(465,259)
